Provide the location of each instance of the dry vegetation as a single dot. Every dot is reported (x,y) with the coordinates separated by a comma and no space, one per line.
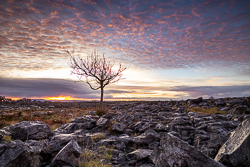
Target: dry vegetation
(90,159)
(53,118)
(212,110)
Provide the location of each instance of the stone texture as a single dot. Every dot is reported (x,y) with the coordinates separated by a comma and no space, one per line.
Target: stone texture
(175,152)
(18,154)
(118,127)
(236,152)
(102,122)
(59,141)
(141,126)
(147,137)
(68,155)
(139,154)
(25,130)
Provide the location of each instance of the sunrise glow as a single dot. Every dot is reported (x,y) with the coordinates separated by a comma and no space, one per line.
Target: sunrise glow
(61,98)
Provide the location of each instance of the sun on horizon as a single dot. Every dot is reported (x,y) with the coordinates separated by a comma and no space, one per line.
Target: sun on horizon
(61,98)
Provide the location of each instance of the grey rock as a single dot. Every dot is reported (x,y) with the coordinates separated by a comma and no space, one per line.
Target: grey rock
(72,127)
(138,125)
(195,101)
(127,119)
(57,142)
(235,151)
(175,152)
(18,154)
(160,127)
(147,137)
(109,141)
(147,165)
(68,155)
(120,146)
(118,127)
(148,125)
(220,103)
(139,154)
(124,138)
(109,115)
(153,145)
(25,130)
(102,122)
(91,112)
(43,145)
(84,122)
(239,110)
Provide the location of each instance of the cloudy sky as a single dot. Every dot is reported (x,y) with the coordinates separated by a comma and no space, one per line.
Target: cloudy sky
(174,49)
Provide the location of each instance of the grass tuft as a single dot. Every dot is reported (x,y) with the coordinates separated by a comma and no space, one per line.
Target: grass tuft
(89,159)
(102,111)
(6,138)
(98,137)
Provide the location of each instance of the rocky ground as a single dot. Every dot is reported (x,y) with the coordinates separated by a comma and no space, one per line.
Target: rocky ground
(143,134)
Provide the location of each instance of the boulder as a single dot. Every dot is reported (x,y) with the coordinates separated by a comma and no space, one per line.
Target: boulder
(87,120)
(147,165)
(235,151)
(139,154)
(35,130)
(120,146)
(127,119)
(57,142)
(175,152)
(147,137)
(118,127)
(102,122)
(84,122)
(239,110)
(195,101)
(125,139)
(109,141)
(18,154)
(68,155)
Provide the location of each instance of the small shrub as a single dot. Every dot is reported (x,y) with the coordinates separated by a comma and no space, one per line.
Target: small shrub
(101,111)
(246,101)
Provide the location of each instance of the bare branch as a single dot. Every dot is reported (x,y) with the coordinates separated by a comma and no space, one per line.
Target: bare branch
(95,70)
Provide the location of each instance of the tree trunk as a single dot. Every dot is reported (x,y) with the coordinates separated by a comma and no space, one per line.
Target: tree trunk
(101,102)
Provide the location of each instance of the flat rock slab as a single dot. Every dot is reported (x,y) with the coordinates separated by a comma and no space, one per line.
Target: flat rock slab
(139,154)
(147,137)
(175,152)
(18,154)
(68,155)
(118,127)
(35,130)
(59,141)
(235,151)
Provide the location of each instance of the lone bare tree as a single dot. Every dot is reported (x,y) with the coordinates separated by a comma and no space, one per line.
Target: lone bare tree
(96,71)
